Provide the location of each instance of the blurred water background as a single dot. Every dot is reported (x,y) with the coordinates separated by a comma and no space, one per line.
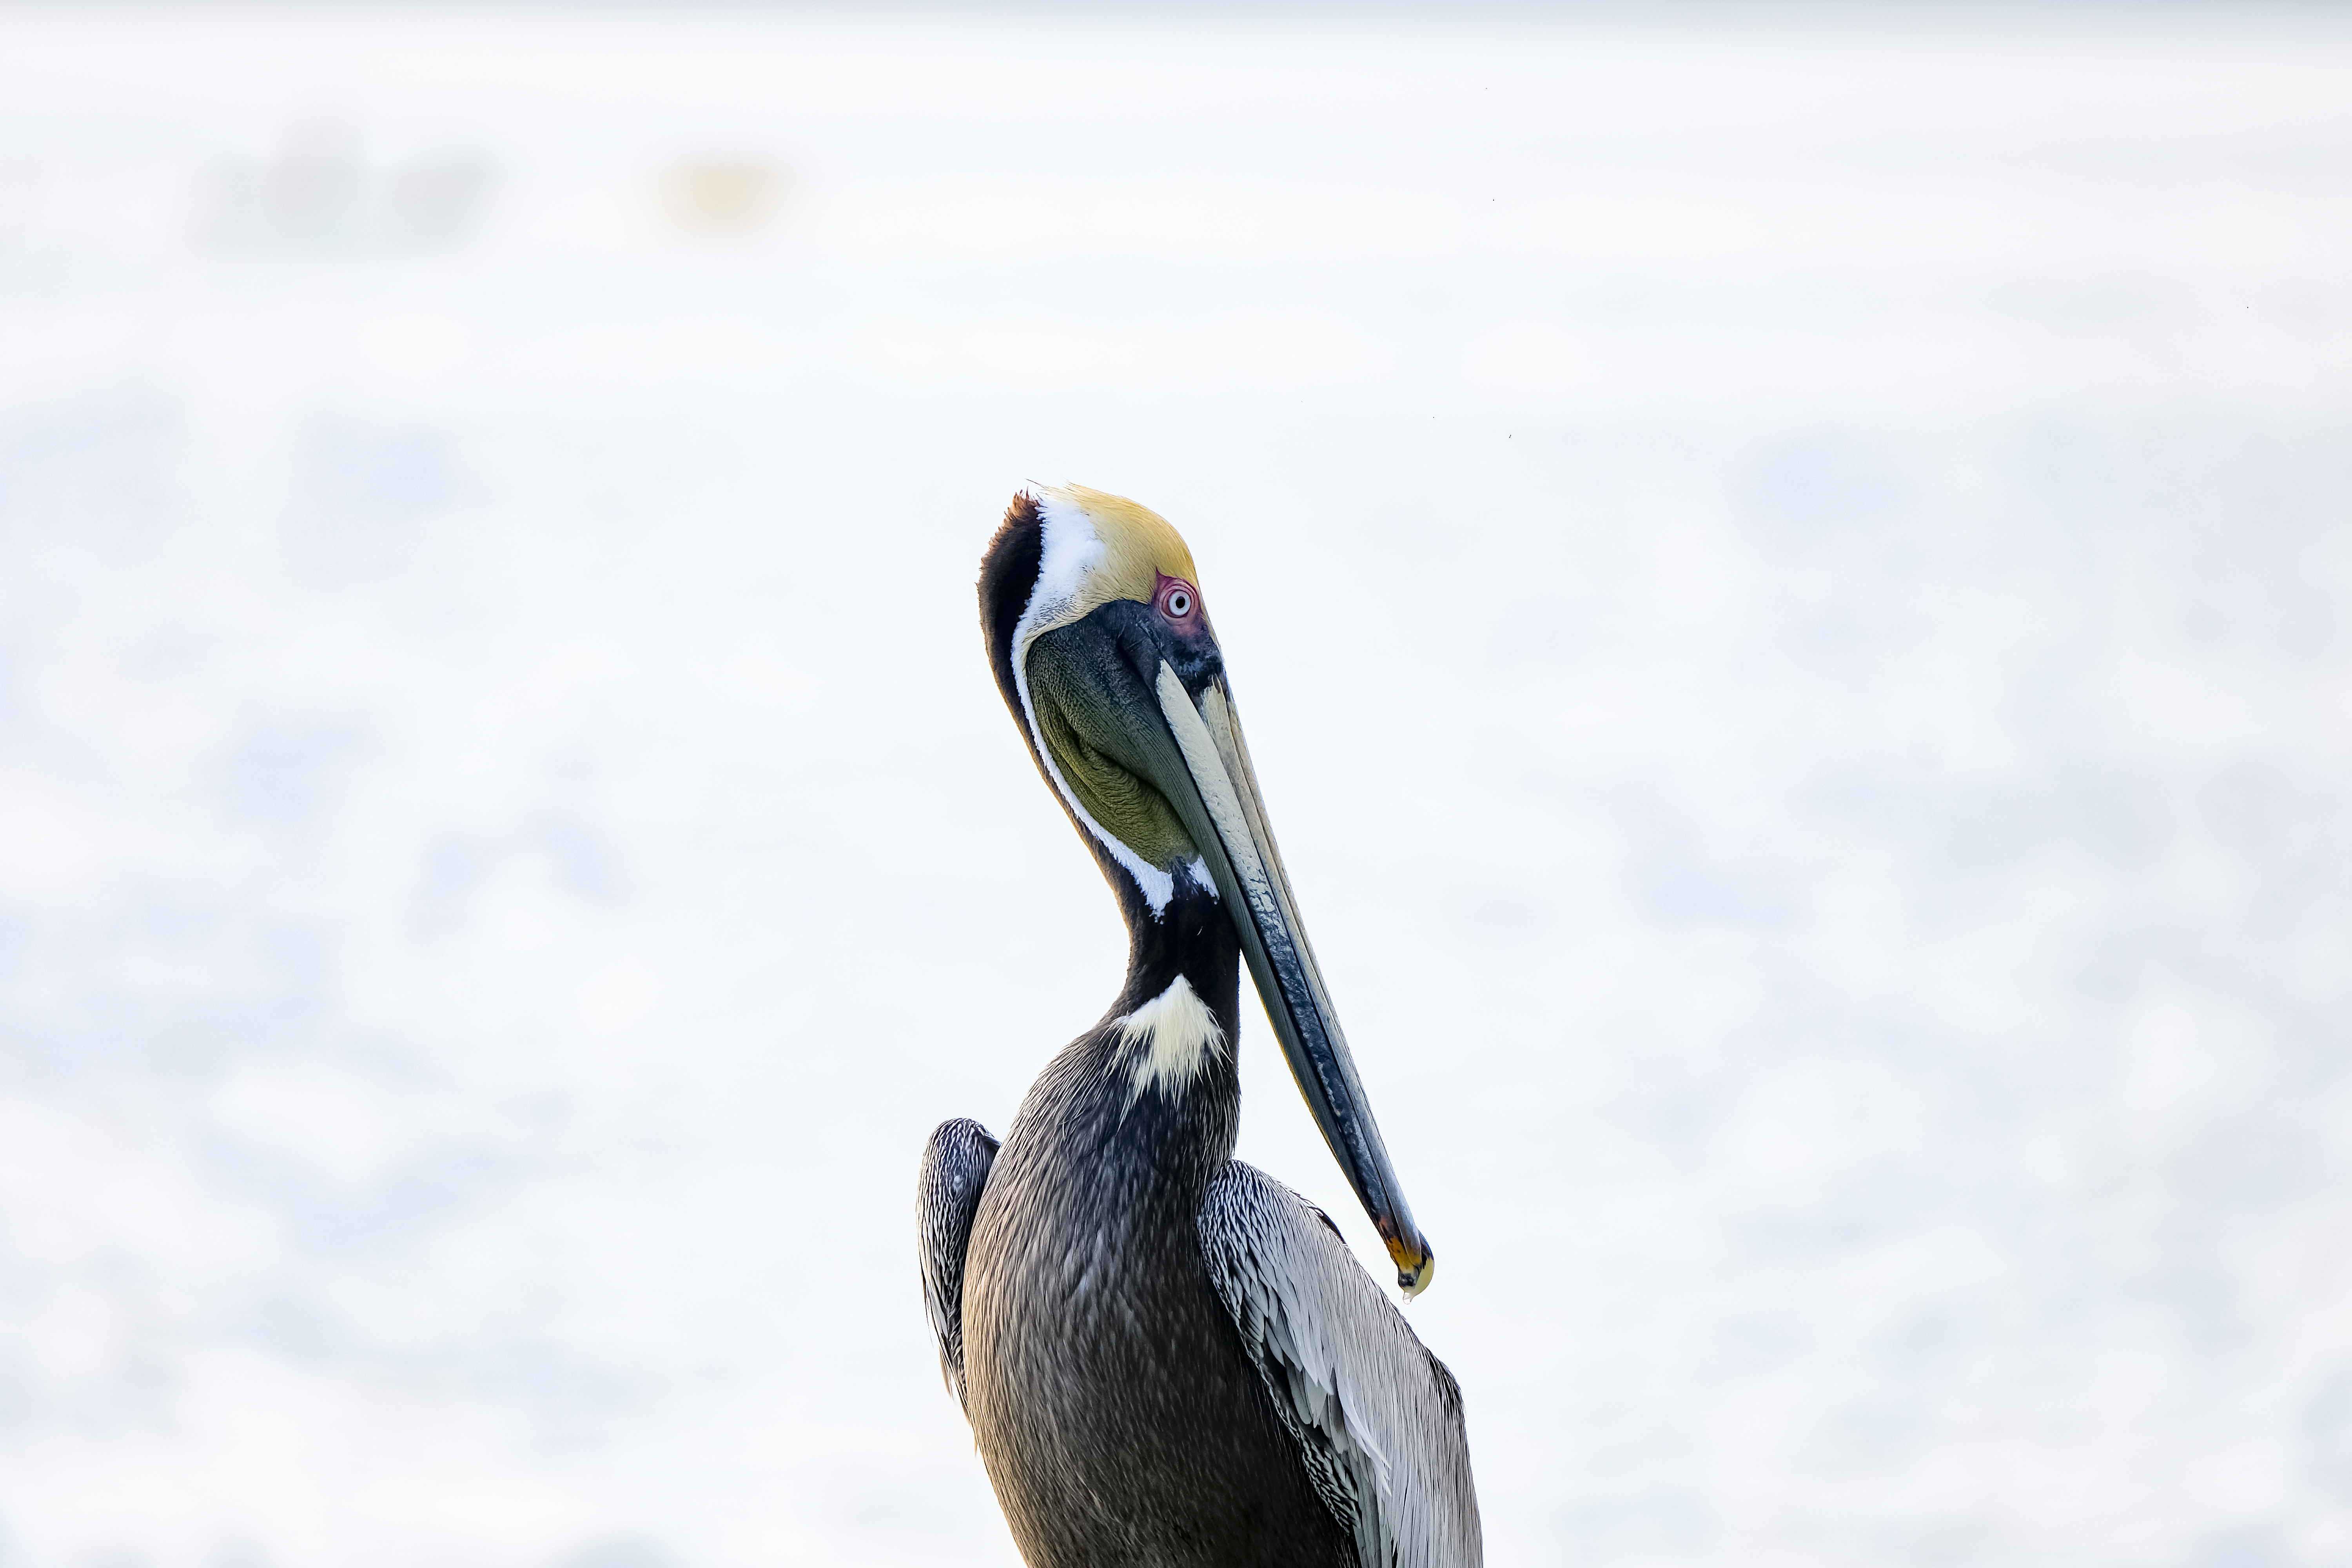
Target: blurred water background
(1789,574)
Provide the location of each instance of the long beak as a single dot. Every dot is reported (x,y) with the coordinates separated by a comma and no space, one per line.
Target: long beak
(1222,810)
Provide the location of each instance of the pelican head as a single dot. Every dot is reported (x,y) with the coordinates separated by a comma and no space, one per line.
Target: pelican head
(1103,648)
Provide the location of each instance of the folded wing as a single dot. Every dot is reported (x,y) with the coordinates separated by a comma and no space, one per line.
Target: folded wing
(955,1168)
(1378,1417)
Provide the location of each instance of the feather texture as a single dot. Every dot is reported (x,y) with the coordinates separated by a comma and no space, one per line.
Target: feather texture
(956,1163)
(1378,1417)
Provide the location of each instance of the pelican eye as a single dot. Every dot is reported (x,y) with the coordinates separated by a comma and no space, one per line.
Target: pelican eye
(1176,601)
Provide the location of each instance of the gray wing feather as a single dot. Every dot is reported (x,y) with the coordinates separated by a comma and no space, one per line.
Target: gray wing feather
(1377,1416)
(955,1168)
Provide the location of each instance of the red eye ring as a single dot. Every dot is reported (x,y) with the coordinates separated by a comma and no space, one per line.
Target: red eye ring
(1177,598)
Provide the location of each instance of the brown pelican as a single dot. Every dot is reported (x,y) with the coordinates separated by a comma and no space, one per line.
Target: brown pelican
(1168,1359)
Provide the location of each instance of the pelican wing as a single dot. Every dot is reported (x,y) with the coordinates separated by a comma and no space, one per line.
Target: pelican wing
(955,1168)
(1378,1417)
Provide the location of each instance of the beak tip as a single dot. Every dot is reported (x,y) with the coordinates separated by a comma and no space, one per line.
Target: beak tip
(1416,1267)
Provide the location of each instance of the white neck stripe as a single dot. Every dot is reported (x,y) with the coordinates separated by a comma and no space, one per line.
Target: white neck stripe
(1070,548)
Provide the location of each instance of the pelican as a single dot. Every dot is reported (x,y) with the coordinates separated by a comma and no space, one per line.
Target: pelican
(1168,1359)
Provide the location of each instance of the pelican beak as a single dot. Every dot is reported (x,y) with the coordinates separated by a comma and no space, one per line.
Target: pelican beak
(1217,797)
(1110,686)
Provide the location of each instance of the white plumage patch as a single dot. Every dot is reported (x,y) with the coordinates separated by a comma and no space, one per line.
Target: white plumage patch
(1070,549)
(1170,1040)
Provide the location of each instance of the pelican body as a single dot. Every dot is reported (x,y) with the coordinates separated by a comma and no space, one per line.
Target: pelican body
(1168,1359)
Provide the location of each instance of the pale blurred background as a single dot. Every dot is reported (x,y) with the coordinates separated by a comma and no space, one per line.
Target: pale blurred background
(1791,578)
